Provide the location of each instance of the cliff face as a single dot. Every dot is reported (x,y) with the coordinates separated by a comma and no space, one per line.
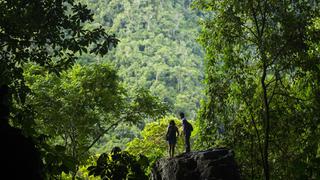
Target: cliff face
(212,164)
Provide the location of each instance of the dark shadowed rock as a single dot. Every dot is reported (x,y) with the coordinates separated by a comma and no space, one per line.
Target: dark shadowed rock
(212,164)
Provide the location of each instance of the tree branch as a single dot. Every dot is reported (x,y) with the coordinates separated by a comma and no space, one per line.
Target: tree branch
(101,134)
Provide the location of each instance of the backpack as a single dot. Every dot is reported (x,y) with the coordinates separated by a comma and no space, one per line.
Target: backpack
(189,126)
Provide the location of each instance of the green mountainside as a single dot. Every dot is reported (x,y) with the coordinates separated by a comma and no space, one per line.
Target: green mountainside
(157,49)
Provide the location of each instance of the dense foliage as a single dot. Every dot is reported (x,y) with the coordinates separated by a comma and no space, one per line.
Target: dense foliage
(49,33)
(261,70)
(157,48)
(67,109)
(81,105)
(120,165)
(68,112)
(262,76)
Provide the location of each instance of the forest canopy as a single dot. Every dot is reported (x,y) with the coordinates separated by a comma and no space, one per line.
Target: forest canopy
(157,48)
(262,85)
(94,83)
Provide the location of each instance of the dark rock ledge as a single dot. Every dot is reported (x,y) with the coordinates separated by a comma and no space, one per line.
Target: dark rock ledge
(212,164)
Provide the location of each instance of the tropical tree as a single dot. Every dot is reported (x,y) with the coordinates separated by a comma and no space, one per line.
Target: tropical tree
(49,33)
(262,68)
(81,105)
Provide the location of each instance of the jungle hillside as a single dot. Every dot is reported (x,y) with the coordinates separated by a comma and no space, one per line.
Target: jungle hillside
(89,87)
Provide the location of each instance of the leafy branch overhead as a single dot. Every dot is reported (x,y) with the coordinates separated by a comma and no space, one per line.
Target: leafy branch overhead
(48,33)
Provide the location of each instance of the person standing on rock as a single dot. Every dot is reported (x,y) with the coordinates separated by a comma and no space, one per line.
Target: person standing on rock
(187,129)
(171,136)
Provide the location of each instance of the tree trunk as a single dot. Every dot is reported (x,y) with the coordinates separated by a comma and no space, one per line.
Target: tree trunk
(266,121)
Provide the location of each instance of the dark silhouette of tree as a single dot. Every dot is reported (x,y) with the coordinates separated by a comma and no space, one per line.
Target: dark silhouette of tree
(19,157)
(120,165)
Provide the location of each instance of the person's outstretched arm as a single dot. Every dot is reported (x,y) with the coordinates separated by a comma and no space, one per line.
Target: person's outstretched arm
(167,132)
(177,131)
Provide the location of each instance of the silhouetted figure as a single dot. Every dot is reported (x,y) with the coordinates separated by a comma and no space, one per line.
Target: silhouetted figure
(187,128)
(171,135)
(18,156)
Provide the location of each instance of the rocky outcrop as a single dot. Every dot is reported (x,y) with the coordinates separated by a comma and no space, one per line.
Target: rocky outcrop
(212,164)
